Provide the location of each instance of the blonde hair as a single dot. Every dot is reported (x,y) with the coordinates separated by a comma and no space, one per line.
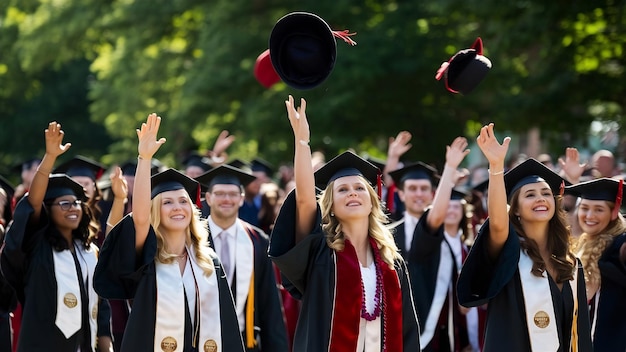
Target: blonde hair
(590,248)
(377,229)
(197,236)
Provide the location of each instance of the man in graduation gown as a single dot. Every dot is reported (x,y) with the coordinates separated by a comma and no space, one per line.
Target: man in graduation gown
(430,259)
(242,249)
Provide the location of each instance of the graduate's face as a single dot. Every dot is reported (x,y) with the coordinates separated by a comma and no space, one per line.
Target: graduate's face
(88,184)
(455,213)
(225,201)
(176,210)
(594,216)
(66,219)
(351,199)
(536,202)
(416,195)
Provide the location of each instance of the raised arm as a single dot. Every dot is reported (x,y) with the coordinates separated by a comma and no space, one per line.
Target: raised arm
(120,192)
(54,147)
(397,147)
(496,202)
(148,145)
(455,153)
(306,202)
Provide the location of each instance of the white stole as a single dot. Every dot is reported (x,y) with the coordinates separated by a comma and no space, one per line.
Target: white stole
(69,301)
(244,266)
(442,289)
(540,316)
(169,329)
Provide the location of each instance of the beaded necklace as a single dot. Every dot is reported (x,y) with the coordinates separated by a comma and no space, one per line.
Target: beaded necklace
(379,289)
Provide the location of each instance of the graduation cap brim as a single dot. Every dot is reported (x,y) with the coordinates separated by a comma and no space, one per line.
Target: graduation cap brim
(173,180)
(302,50)
(598,189)
(532,171)
(415,171)
(62,185)
(346,164)
(458,194)
(81,166)
(225,175)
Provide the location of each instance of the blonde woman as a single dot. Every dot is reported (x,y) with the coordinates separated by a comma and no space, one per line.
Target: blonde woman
(339,257)
(159,257)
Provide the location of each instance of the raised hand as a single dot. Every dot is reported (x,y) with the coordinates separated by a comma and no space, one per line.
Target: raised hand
(399,145)
(119,186)
(491,148)
(224,140)
(456,152)
(571,166)
(147,134)
(298,120)
(54,140)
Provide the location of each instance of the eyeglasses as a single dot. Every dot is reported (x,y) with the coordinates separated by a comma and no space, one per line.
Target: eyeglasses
(233,195)
(65,205)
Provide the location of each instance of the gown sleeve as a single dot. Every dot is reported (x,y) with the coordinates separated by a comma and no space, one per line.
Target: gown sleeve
(120,267)
(294,260)
(481,278)
(610,264)
(426,241)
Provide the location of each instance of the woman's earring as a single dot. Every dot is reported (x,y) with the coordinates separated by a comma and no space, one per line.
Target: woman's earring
(332,214)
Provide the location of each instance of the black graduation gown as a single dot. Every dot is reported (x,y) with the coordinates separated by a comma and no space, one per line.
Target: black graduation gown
(28,265)
(423,263)
(498,283)
(610,329)
(122,274)
(309,268)
(269,323)
(399,236)
(8,302)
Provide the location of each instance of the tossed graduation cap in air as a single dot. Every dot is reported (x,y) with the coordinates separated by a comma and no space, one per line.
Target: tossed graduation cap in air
(606,189)
(532,171)
(81,166)
(465,70)
(416,171)
(62,185)
(173,180)
(303,49)
(348,164)
(225,175)
(264,71)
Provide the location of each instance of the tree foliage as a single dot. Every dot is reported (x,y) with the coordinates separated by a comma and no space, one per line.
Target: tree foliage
(100,66)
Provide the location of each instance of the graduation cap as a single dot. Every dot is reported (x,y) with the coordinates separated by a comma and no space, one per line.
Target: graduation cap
(416,171)
(379,163)
(458,194)
(463,72)
(7,187)
(348,164)
(303,49)
(607,189)
(25,165)
(225,175)
(81,166)
(532,171)
(129,168)
(62,185)
(172,180)
(264,71)
(258,164)
(238,163)
(198,161)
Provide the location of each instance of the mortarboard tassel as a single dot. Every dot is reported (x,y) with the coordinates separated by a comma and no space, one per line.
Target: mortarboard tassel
(198,198)
(99,173)
(618,199)
(379,185)
(345,36)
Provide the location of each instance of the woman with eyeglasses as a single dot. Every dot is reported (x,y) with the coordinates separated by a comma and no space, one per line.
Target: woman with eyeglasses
(49,259)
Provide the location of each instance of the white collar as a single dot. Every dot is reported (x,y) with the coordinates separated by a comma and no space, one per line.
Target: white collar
(216,230)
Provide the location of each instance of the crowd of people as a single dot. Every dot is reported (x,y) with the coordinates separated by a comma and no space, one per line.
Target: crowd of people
(352,254)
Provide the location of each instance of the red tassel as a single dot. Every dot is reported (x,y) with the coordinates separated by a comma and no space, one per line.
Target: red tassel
(379,185)
(345,35)
(478,46)
(198,198)
(99,174)
(562,189)
(618,199)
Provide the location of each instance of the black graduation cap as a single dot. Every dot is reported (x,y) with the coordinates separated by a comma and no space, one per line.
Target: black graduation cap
(416,171)
(465,69)
(25,164)
(347,164)
(7,187)
(238,163)
(225,175)
(379,163)
(129,168)
(81,166)
(598,189)
(197,160)
(258,164)
(62,185)
(172,180)
(532,171)
(303,49)
(458,194)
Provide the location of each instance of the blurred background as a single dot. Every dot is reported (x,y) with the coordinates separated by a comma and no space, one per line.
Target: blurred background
(100,66)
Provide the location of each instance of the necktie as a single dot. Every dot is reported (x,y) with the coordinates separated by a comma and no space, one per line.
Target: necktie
(225,252)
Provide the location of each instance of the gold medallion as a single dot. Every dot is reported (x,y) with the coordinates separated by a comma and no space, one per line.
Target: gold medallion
(541,319)
(210,346)
(70,300)
(169,344)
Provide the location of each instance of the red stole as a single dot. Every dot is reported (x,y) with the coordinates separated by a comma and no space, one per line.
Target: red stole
(346,315)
